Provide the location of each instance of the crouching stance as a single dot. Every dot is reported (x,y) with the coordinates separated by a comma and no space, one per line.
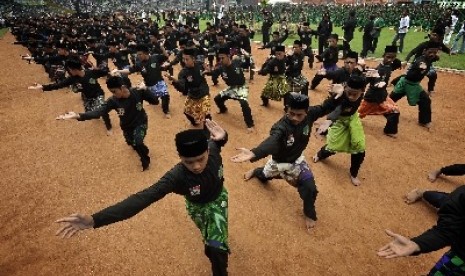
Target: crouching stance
(198,177)
(288,139)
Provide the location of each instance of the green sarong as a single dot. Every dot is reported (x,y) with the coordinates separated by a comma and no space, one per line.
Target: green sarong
(346,135)
(409,88)
(212,220)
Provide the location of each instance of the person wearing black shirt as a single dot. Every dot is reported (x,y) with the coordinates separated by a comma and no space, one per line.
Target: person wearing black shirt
(305,35)
(198,177)
(349,27)
(277,41)
(409,85)
(266,27)
(288,139)
(325,28)
(119,57)
(447,232)
(191,82)
(276,86)
(418,51)
(133,119)
(295,78)
(213,52)
(85,82)
(346,133)
(232,73)
(367,44)
(150,67)
(376,100)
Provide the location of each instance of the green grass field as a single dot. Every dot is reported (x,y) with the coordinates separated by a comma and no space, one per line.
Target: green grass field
(3,32)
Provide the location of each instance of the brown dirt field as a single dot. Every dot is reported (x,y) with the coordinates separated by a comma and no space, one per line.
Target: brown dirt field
(53,168)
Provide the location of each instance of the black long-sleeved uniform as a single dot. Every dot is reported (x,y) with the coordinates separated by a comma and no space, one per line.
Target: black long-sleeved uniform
(87,85)
(294,64)
(418,51)
(287,141)
(120,58)
(379,94)
(130,110)
(306,36)
(450,228)
(192,83)
(233,75)
(274,67)
(197,188)
(415,73)
(150,69)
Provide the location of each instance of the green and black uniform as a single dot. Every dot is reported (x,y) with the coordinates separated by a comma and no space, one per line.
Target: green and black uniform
(206,202)
(133,119)
(91,92)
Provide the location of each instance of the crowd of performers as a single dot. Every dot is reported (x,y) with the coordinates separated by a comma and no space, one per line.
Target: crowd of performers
(63,46)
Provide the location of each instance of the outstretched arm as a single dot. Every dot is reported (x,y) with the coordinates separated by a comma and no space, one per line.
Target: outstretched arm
(399,247)
(73,224)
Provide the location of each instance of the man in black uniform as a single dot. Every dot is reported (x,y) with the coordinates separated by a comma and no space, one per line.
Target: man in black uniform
(198,177)
(84,81)
(349,27)
(288,139)
(409,85)
(447,232)
(232,73)
(294,63)
(305,34)
(133,119)
(266,27)
(150,67)
(191,82)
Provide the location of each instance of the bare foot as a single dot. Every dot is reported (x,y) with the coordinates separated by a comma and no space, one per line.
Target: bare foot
(109,132)
(427,125)
(414,196)
(391,135)
(432,176)
(315,158)
(167,116)
(355,181)
(310,224)
(250,130)
(248,175)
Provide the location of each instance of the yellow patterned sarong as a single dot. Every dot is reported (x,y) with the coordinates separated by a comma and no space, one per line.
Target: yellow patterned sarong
(197,109)
(275,88)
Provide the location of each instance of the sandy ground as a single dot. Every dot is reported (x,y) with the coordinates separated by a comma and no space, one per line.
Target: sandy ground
(53,168)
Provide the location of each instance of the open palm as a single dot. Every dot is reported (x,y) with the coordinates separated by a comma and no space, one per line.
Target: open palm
(399,247)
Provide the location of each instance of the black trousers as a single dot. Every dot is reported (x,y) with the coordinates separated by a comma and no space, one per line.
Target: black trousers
(392,123)
(165,104)
(424,106)
(246,111)
(436,199)
(432,77)
(356,159)
(219,260)
(316,81)
(455,169)
(266,37)
(367,45)
(345,47)
(306,188)
(309,53)
(322,43)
